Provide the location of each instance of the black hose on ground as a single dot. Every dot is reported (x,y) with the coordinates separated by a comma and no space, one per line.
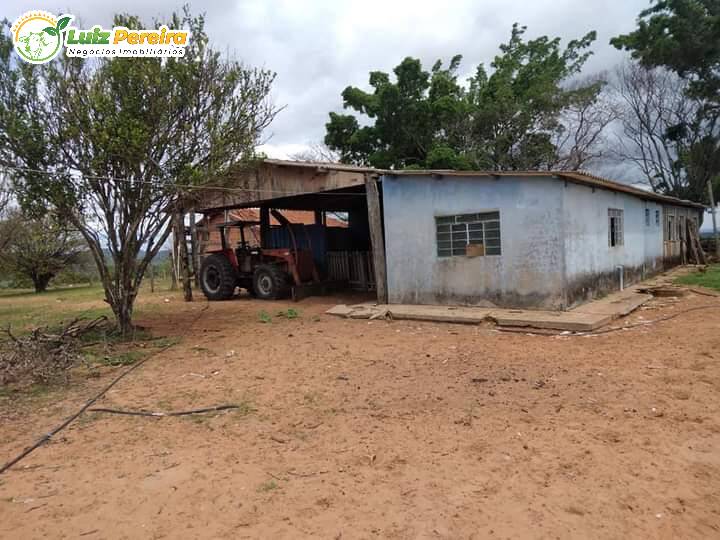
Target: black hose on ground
(45,438)
(161,414)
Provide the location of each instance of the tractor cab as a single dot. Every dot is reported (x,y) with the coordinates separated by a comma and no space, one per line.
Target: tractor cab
(265,273)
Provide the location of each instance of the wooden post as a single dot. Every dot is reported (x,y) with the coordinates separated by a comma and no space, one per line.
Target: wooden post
(264,226)
(319,217)
(173,255)
(377,240)
(152,278)
(714,220)
(183,256)
(194,249)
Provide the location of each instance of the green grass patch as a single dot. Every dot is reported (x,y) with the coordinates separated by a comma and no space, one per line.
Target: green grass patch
(264,317)
(164,342)
(289,313)
(127,358)
(710,278)
(244,408)
(270,485)
(24,309)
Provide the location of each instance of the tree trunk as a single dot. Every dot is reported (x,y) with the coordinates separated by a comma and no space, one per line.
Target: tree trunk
(41,282)
(174,257)
(183,256)
(123,311)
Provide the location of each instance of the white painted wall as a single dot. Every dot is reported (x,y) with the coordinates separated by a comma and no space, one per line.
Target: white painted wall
(528,273)
(587,250)
(555,249)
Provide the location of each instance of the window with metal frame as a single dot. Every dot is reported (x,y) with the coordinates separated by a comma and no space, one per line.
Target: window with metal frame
(455,233)
(615,227)
(657,218)
(647,217)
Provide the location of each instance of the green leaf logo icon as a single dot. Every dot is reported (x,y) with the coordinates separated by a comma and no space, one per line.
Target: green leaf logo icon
(62,23)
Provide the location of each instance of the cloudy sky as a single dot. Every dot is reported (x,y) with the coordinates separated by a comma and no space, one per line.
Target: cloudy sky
(319,47)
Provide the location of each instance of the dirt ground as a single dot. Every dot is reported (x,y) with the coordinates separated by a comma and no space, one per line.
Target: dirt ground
(375,429)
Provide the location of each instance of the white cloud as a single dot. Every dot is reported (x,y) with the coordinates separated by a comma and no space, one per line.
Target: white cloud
(319,47)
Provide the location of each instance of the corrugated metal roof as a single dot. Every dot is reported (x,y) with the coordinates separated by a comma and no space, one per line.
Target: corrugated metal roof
(579,177)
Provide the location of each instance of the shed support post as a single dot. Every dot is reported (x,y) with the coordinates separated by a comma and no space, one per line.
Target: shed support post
(319,217)
(377,240)
(264,226)
(194,249)
(183,255)
(714,219)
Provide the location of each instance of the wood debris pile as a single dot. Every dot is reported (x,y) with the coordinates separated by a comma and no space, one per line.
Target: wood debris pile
(43,356)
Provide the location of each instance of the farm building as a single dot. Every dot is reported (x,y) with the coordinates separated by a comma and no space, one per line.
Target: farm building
(547,240)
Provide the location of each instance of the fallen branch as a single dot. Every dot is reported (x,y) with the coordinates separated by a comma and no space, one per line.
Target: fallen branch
(91,401)
(41,356)
(704,293)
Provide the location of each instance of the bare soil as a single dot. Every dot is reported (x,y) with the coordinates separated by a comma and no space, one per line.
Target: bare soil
(375,429)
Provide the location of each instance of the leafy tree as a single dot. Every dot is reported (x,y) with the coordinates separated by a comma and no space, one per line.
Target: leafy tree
(40,249)
(683,36)
(505,119)
(122,139)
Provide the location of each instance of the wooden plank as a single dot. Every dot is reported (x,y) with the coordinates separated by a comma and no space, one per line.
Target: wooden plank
(376,237)
(194,249)
(264,226)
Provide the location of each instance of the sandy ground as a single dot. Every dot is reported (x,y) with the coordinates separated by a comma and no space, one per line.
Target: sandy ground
(357,429)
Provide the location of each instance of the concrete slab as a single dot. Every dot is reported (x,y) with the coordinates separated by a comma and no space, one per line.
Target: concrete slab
(551,320)
(615,305)
(584,318)
(341,310)
(554,320)
(454,314)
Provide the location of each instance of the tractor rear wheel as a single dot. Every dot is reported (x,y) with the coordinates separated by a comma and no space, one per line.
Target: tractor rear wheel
(218,278)
(270,282)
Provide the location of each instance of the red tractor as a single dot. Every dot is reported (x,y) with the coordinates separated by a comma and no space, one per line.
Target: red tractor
(267,274)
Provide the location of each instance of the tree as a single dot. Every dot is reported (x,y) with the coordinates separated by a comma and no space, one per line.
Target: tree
(654,103)
(317,152)
(582,138)
(506,119)
(41,249)
(8,223)
(403,129)
(683,36)
(124,141)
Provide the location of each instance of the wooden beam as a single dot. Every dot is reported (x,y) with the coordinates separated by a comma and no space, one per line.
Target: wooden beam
(264,226)
(267,182)
(377,240)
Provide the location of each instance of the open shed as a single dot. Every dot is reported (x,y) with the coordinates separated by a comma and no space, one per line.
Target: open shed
(352,254)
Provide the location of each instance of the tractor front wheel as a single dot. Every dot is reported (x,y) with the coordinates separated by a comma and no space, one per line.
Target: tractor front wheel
(218,278)
(270,282)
